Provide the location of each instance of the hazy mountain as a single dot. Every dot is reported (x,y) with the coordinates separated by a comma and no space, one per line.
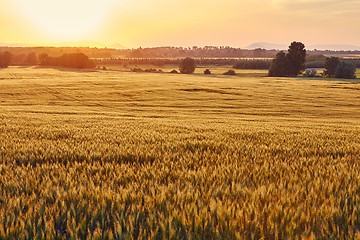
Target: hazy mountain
(268,46)
(117,46)
(81,44)
(93,44)
(334,47)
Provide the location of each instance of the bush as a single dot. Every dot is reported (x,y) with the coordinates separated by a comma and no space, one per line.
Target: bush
(207,71)
(152,70)
(137,70)
(174,71)
(345,70)
(230,72)
(187,66)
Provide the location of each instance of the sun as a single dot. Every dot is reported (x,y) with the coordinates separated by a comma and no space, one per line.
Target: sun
(66,20)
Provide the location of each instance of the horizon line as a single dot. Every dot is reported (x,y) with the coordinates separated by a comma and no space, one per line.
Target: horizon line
(313,47)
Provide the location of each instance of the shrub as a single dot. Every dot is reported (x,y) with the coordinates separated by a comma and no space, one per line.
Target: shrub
(345,70)
(151,70)
(174,71)
(137,70)
(187,66)
(207,71)
(230,72)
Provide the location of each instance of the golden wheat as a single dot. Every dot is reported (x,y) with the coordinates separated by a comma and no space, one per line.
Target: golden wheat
(103,155)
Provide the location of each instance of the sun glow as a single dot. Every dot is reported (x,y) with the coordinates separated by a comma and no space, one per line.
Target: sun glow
(67,20)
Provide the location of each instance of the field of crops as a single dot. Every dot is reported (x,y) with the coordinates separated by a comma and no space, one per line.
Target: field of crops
(108,154)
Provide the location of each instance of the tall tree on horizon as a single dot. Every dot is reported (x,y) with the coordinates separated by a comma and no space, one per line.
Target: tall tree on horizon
(296,58)
(290,64)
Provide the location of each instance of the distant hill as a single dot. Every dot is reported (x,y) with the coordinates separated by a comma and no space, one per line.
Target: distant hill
(267,46)
(331,47)
(81,44)
(117,46)
(335,47)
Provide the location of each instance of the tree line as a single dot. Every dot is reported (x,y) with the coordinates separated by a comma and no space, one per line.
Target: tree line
(71,60)
(161,52)
(292,63)
(235,62)
(5,59)
(288,64)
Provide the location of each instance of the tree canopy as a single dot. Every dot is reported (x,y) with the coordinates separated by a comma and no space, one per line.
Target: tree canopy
(330,66)
(31,59)
(5,59)
(289,64)
(296,58)
(73,60)
(279,66)
(345,70)
(187,66)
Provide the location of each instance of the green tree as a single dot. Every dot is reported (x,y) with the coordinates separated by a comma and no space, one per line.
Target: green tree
(290,64)
(296,58)
(279,66)
(330,66)
(187,66)
(345,70)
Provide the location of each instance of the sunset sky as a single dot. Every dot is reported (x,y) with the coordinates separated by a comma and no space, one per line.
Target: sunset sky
(147,23)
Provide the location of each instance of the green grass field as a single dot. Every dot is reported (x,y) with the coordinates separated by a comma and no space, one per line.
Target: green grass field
(109,154)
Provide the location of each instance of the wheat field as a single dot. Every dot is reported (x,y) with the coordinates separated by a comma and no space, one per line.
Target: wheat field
(120,155)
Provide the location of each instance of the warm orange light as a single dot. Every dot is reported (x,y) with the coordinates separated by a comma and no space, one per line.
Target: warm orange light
(66,20)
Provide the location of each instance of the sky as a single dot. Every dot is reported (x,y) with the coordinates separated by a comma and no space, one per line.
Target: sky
(150,23)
